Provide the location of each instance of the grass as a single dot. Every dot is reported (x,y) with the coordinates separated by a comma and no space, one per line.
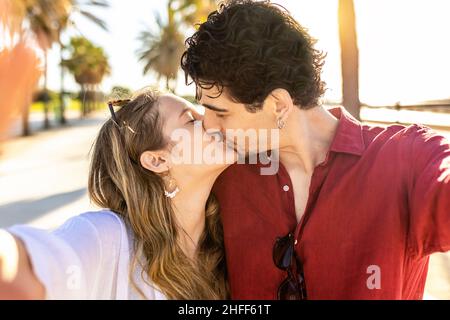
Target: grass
(54,105)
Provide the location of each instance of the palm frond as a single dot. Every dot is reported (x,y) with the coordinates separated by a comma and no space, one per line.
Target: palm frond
(97,3)
(159,20)
(99,22)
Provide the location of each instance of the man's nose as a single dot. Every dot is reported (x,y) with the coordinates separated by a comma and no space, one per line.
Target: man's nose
(210,122)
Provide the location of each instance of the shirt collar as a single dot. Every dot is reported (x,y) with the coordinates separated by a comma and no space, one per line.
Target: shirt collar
(348,137)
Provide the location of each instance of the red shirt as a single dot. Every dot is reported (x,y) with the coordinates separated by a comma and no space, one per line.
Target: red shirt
(378,206)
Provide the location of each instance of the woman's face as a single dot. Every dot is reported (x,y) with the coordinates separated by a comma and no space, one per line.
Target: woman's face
(190,146)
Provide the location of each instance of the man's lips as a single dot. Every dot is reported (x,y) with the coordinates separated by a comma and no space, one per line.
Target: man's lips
(231,144)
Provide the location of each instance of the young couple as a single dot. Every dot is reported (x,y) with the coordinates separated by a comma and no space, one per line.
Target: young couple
(352,211)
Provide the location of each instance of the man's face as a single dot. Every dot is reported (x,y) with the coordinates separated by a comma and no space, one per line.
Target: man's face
(246,131)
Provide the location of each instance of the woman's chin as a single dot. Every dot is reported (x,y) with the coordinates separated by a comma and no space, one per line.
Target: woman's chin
(230,155)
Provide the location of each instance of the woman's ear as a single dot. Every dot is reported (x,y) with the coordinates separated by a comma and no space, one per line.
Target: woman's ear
(155,161)
(282,103)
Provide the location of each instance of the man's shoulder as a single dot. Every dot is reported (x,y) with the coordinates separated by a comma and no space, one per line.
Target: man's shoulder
(400,136)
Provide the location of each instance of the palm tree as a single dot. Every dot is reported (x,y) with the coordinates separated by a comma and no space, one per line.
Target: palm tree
(47,19)
(88,64)
(195,11)
(349,57)
(66,21)
(43,17)
(162,52)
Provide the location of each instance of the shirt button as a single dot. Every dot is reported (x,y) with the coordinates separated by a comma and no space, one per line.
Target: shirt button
(286,187)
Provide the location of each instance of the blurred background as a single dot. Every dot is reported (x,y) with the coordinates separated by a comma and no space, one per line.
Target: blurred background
(387,62)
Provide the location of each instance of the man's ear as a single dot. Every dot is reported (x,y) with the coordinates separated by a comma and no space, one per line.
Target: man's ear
(155,161)
(282,104)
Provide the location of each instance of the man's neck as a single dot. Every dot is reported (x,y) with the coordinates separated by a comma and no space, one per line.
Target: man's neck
(306,138)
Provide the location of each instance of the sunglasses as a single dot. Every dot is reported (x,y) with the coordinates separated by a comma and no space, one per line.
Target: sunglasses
(293,287)
(119,103)
(112,104)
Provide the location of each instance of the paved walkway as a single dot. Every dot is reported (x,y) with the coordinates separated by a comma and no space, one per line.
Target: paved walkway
(43,178)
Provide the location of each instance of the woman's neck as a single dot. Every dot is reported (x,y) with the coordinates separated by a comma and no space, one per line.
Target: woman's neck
(189,206)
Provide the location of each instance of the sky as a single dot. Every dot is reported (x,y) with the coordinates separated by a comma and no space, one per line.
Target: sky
(403,45)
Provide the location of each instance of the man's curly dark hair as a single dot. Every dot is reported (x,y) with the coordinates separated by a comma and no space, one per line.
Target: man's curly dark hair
(251,48)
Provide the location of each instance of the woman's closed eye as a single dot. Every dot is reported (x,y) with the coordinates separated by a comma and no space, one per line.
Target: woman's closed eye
(190,117)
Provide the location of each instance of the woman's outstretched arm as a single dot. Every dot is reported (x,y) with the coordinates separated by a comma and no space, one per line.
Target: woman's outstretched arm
(17,279)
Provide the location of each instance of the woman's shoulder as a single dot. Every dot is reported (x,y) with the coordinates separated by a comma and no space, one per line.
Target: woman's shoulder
(104,223)
(103,219)
(105,228)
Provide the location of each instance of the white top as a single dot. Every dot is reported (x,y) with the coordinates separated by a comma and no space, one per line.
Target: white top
(88,257)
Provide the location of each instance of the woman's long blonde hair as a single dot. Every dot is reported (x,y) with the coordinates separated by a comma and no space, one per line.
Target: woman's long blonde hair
(118,181)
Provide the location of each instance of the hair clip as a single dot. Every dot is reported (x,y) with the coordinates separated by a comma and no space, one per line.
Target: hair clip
(113,103)
(120,103)
(113,113)
(129,128)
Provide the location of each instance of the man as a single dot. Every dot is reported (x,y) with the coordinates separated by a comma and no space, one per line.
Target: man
(354,211)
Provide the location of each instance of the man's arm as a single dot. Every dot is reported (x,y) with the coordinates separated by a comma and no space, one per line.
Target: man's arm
(429,194)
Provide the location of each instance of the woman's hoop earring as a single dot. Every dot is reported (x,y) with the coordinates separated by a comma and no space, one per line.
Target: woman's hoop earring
(280,123)
(171,186)
(172,194)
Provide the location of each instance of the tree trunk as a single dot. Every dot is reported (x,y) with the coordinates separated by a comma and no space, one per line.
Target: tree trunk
(349,57)
(83,101)
(98,97)
(62,107)
(167,84)
(91,98)
(46,96)
(25,120)
(170,13)
(87,99)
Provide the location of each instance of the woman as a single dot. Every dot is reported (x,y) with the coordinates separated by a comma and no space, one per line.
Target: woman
(160,236)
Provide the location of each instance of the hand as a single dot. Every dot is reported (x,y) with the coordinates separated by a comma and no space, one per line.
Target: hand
(17,279)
